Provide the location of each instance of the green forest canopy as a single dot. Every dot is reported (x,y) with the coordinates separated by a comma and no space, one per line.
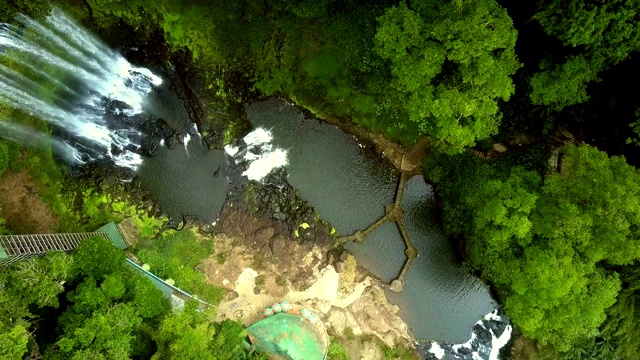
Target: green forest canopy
(559,247)
(91,305)
(550,244)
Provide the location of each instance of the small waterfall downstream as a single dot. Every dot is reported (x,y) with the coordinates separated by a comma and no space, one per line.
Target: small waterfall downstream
(92,96)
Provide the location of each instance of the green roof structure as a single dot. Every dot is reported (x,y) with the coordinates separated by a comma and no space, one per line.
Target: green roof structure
(294,334)
(114,235)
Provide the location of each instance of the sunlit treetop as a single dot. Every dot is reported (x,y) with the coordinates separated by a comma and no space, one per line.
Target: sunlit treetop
(607,29)
(451,63)
(605,32)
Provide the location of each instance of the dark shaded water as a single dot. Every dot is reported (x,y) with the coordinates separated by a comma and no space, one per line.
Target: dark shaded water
(440,301)
(184,181)
(188,180)
(451,299)
(349,189)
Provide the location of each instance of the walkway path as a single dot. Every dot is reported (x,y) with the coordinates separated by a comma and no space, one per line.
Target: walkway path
(410,160)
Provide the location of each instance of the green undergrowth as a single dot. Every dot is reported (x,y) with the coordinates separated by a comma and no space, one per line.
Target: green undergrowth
(175,255)
(337,350)
(338,347)
(99,207)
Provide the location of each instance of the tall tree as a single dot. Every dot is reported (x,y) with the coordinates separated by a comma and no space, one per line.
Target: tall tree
(190,334)
(451,63)
(502,224)
(605,33)
(549,246)
(621,327)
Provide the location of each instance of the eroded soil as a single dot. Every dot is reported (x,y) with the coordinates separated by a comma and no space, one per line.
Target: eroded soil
(22,207)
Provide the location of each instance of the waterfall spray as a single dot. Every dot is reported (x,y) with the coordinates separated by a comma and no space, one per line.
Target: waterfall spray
(68,78)
(24,135)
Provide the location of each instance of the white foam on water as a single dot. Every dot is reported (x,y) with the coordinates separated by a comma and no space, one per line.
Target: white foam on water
(185,143)
(437,351)
(260,155)
(129,159)
(231,150)
(261,167)
(497,343)
(257,137)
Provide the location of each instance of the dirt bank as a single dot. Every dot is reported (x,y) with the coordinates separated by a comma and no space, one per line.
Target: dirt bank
(22,207)
(260,264)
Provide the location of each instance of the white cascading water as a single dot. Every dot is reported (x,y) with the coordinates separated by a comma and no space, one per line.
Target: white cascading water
(475,349)
(259,155)
(24,135)
(67,77)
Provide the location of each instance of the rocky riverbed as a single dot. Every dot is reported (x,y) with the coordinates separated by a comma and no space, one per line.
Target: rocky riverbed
(259,262)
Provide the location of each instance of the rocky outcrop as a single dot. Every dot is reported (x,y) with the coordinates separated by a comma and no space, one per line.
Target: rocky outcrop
(350,302)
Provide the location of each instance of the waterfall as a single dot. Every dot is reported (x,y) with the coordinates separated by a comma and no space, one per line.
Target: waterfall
(488,338)
(57,71)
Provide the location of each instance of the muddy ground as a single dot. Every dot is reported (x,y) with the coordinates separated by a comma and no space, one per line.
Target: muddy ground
(22,207)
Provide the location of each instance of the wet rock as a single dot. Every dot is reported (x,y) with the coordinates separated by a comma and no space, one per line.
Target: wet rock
(280,216)
(340,266)
(483,335)
(136,183)
(263,235)
(171,141)
(500,327)
(214,140)
(115,151)
(278,245)
(149,145)
(257,290)
(193,130)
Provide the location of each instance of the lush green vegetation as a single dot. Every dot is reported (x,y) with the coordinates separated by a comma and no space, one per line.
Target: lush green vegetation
(175,256)
(559,245)
(91,305)
(606,33)
(549,243)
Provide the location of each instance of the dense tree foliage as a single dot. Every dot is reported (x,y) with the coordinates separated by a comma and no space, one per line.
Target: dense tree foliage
(191,334)
(450,64)
(558,247)
(33,8)
(622,318)
(299,48)
(91,305)
(606,33)
(548,244)
(606,29)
